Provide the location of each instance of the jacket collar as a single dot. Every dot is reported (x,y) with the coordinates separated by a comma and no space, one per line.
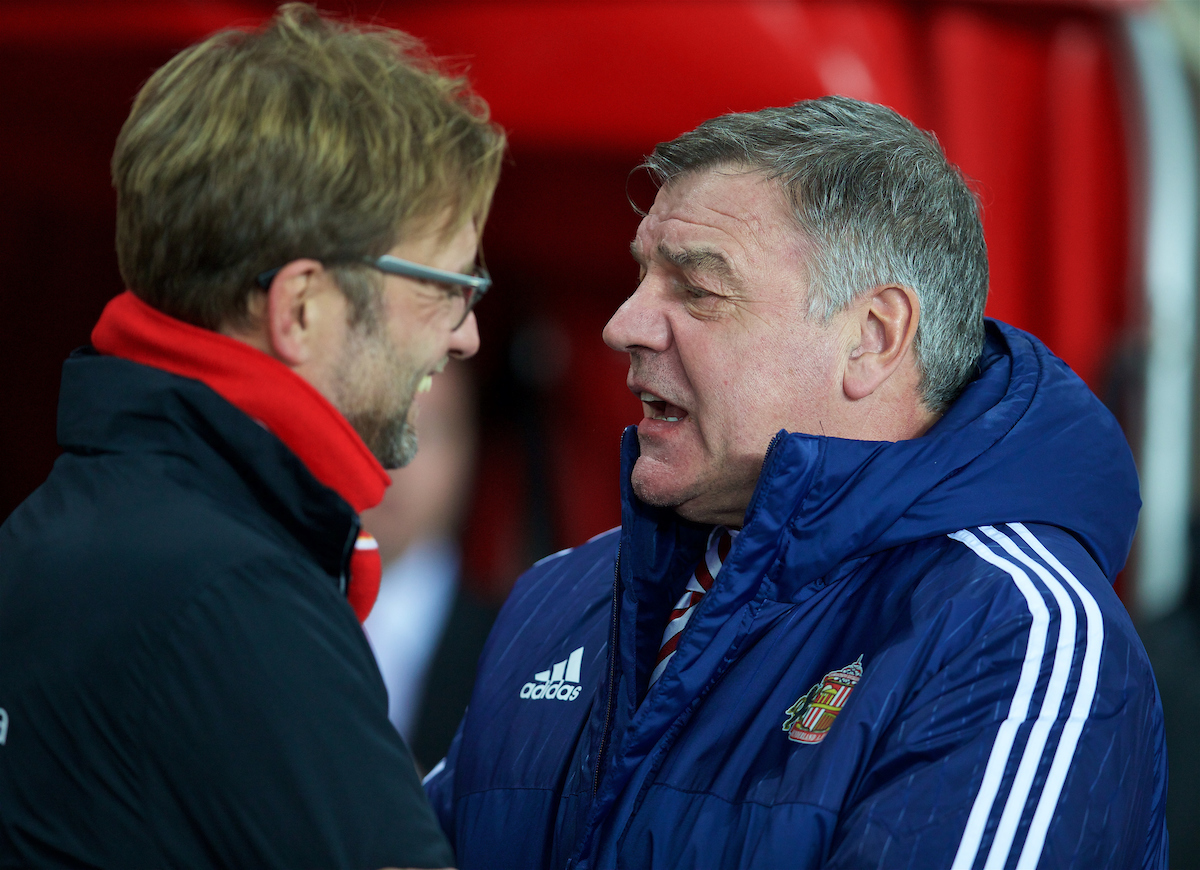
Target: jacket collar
(280,401)
(258,385)
(1026,441)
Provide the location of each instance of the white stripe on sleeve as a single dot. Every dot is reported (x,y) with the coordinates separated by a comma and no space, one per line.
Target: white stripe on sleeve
(1031,758)
(1084,695)
(981,809)
(437,768)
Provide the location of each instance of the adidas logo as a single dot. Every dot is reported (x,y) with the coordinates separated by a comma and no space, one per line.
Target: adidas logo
(560,683)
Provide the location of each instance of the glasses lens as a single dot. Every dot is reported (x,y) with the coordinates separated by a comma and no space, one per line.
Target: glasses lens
(463,303)
(471,295)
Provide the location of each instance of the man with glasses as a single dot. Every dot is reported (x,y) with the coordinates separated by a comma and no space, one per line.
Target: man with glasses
(859,611)
(183,678)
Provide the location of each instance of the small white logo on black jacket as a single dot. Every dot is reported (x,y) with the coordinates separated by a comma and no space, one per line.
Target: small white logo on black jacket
(560,683)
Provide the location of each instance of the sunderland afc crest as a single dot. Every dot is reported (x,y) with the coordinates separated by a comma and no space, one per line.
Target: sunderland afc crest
(809,719)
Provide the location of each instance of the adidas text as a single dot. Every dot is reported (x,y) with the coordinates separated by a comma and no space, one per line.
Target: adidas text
(559,683)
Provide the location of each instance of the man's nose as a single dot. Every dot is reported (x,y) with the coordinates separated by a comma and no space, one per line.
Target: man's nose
(640,322)
(464,341)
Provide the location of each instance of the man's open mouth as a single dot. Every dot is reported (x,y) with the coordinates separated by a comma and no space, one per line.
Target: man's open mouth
(426,382)
(661,409)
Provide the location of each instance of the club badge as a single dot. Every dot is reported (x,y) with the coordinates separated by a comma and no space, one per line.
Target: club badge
(809,719)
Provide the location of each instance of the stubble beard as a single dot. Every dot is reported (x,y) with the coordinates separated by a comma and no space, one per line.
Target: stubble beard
(375,389)
(391,439)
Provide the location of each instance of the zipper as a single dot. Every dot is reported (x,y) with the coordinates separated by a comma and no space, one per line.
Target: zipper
(348,554)
(612,676)
(754,499)
(775,439)
(612,655)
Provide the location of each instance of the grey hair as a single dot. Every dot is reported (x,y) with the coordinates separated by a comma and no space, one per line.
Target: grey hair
(877,202)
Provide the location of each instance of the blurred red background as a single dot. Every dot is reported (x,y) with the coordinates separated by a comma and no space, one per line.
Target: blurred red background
(1025,97)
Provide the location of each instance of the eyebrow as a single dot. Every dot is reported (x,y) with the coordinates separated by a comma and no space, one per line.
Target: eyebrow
(690,259)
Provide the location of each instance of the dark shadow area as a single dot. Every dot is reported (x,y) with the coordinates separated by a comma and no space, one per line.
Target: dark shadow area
(1174,647)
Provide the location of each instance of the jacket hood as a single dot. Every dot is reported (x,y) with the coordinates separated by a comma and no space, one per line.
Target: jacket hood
(1026,441)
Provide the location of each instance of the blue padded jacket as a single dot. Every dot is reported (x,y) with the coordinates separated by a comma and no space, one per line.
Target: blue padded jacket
(912,658)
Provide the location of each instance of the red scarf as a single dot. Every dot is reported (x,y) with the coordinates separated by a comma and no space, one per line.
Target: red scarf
(269,392)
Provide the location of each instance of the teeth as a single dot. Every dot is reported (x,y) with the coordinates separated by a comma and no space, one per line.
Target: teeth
(652,399)
(426,383)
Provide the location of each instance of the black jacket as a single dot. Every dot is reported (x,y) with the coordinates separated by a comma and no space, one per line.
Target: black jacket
(184,684)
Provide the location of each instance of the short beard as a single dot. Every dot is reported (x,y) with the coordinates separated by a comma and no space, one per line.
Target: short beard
(371,380)
(391,439)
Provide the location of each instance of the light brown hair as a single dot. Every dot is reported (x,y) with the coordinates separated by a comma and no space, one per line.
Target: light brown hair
(307,137)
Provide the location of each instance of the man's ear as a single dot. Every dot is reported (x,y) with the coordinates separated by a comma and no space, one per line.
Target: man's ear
(290,310)
(887,320)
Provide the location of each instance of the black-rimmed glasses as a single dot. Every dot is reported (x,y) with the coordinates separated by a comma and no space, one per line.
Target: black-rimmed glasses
(472,286)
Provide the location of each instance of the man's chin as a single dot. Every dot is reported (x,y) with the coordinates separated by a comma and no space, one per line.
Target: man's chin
(665,486)
(392,441)
(400,450)
(655,484)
